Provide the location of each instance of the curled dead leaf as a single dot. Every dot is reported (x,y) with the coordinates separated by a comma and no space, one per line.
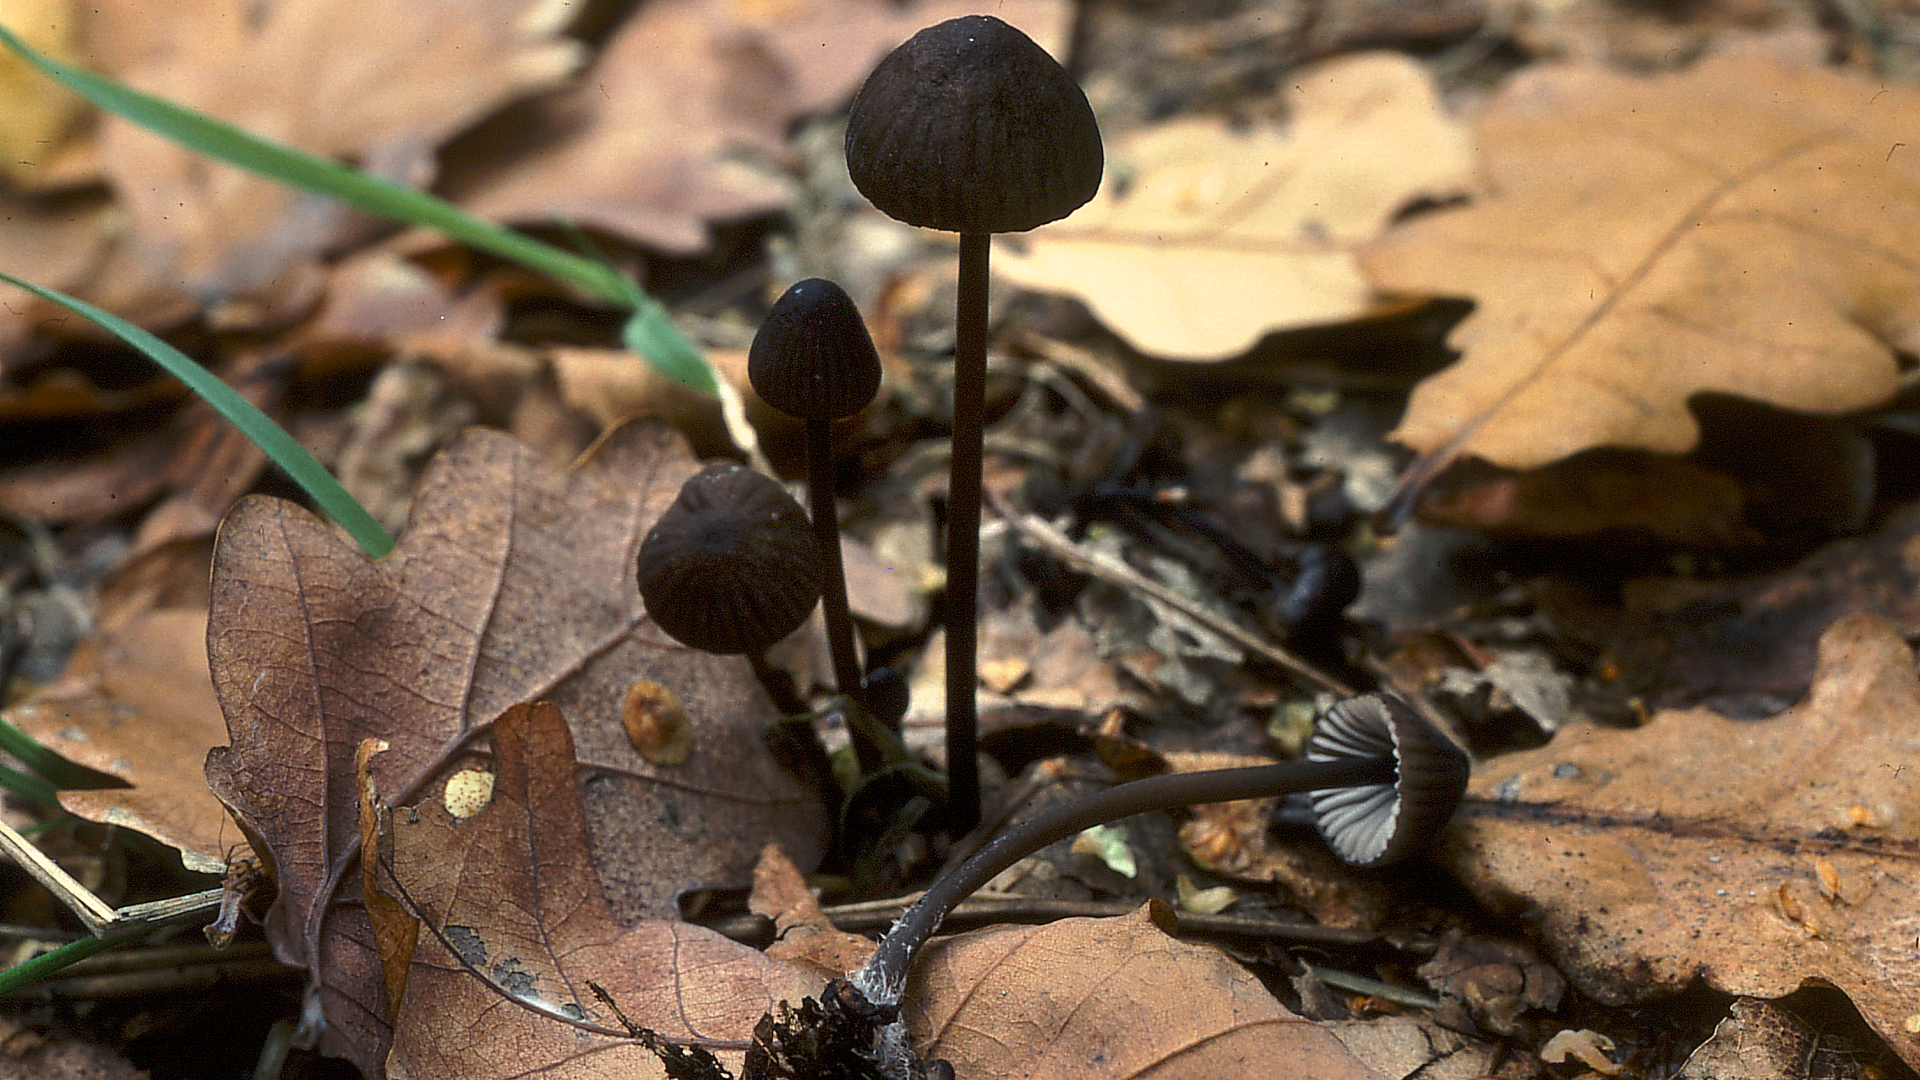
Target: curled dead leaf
(136,702)
(513,582)
(380,83)
(515,929)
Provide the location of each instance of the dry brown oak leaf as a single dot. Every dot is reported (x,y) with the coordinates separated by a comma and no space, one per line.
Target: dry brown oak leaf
(512,583)
(1107,998)
(136,702)
(1761,1041)
(1757,855)
(58,251)
(377,83)
(1220,236)
(802,932)
(1744,227)
(658,137)
(513,928)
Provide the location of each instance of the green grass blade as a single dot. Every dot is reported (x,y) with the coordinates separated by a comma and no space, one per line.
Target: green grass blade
(57,770)
(47,963)
(211,137)
(652,335)
(35,828)
(28,786)
(650,332)
(270,437)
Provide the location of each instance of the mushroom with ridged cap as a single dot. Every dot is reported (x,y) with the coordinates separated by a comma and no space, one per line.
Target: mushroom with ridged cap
(970,127)
(813,359)
(731,566)
(1408,777)
(1376,824)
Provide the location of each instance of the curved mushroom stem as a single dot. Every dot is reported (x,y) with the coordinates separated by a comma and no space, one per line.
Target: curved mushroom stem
(963,535)
(885,972)
(833,582)
(778,684)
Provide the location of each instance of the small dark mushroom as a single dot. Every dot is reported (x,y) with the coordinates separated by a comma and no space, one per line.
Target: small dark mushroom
(731,566)
(1388,781)
(1376,824)
(970,127)
(813,360)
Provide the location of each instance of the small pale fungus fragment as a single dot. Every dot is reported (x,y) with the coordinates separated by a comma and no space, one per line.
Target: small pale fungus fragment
(1829,878)
(657,723)
(1108,843)
(1002,675)
(1203,901)
(1590,1047)
(468,792)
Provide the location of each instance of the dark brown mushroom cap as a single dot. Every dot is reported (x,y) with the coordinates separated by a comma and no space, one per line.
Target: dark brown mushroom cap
(970,127)
(1376,824)
(813,358)
(731,566)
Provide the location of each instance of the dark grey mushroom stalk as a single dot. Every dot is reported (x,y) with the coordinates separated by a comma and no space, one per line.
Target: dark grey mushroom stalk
(731,566)
(970,127)
(1382,781)
(814,360)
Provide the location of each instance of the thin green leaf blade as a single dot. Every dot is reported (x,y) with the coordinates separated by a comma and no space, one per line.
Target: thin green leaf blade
(651,334)
(45,964)
(56,770)
(230,144)
(28,786)
(270,437)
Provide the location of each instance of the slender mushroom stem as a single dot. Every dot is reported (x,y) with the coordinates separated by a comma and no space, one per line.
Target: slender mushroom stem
(963,534)
(885,972)
(833,583)
(778,684)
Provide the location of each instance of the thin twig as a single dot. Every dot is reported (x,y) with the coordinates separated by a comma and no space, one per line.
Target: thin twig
(92,911)
(100,920)
(1056,543)
(1360,984)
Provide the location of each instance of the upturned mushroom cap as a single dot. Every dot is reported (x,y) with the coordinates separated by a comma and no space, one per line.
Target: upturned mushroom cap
(813,358)
(970,127)
(731,566)
(1376,824)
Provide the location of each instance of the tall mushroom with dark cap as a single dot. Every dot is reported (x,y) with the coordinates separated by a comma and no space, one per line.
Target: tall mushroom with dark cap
(1383,783)
(731,566)
(813,360)
(972,128)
